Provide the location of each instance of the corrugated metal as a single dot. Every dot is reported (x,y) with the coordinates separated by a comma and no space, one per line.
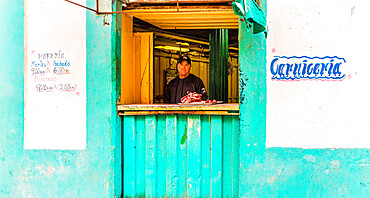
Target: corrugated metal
(181,156)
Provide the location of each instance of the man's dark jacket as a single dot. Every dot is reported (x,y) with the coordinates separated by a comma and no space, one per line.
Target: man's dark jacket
(178,88)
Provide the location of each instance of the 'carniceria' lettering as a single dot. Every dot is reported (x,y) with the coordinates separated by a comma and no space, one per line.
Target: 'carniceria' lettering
(296,68)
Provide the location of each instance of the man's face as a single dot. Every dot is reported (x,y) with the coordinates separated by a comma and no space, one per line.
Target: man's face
(184,69)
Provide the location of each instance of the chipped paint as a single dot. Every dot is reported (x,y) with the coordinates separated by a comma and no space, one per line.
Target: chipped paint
(309,158)
(306,172)
(191,156)
(60,173)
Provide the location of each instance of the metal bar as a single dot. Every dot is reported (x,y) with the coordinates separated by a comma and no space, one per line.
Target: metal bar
(192,60)
(83,6)
(189,40)
(97,6)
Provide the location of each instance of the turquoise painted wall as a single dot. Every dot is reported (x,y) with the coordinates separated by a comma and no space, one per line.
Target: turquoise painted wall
(93,172)
(287,172)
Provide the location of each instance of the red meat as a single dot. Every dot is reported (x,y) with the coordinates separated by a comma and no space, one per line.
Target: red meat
(194,97)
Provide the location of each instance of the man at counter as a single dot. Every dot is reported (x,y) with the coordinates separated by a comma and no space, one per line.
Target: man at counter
(184,82)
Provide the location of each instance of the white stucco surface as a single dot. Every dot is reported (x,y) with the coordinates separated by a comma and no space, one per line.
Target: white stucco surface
(55,75)
(319,112)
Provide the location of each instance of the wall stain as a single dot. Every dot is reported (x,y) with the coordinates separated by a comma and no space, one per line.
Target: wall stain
(243,84)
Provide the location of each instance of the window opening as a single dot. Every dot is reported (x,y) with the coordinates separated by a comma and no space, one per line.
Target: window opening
(169,44)
(182,34)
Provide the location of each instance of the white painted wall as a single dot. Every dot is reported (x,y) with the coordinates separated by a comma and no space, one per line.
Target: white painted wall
(55,75)
(321,113)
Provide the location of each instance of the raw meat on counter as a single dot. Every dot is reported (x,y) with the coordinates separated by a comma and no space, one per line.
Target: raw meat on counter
(194,97)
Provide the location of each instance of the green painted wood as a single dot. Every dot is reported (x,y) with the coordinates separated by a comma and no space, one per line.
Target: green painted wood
(129,153)
(235,161)
(151,170)
(187,157)
(161,153)
(182,158)
(216,156)
(140,137)
(206,155)
(172,178)
(227,173)
(218,64)
(194,156)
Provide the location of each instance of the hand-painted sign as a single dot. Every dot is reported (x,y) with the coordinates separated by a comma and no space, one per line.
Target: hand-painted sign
(317,74)
(307,68)
(55,75)
(51,72)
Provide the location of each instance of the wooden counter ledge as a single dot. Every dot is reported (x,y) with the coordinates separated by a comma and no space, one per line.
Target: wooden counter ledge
(170,109)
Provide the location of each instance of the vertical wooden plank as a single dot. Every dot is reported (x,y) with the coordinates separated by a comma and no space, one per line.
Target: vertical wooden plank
(227,145)
(192,69)
(196,68)
(229,89)
(202,74)
(235,154)
(163,65)
(140,156)
(137,68)
(194,158)
(207,74)
(172,178)
(182,157)
(161,77)
(206,155)
(216,156)
(236,82)
(151,157)
(127,69)
(157,74)
(128,156)
(161,153)
(151,66)
(145,68)
(144,54)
